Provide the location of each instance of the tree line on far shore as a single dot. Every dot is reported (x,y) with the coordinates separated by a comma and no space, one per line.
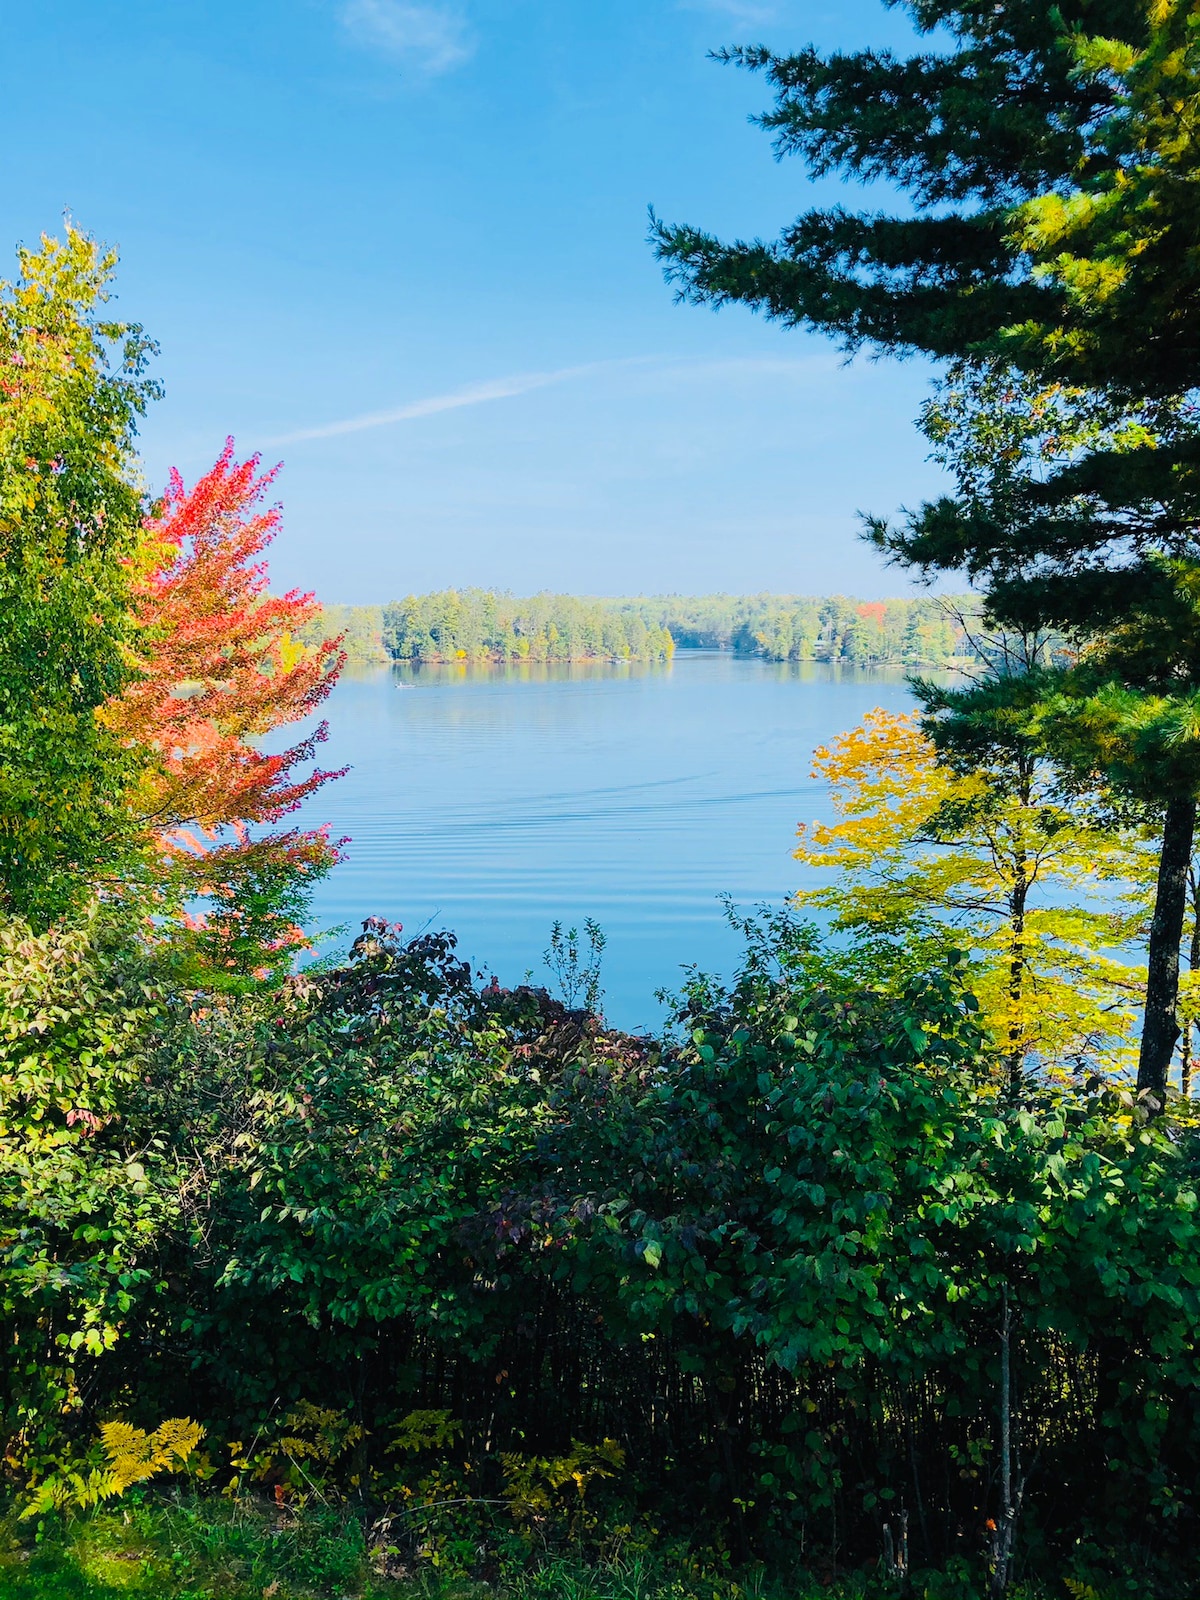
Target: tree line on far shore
(486,625)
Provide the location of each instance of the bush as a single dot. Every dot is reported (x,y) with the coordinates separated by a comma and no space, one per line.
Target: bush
(774,1264)
(84,1192)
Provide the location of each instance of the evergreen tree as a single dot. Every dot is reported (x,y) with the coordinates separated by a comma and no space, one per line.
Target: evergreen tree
(1057,516)
(1049,157)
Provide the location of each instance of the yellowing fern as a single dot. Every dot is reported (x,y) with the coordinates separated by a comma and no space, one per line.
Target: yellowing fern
(133,1457)
(311,1439)
(330,1433)
(425,1430)
(534,1483)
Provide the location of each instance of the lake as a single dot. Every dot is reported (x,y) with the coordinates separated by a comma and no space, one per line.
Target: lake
(494,801)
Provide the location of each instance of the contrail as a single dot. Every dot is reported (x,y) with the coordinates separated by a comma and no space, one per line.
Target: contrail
(474,394)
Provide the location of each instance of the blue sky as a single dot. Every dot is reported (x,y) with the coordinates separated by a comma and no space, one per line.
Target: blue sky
(400,245)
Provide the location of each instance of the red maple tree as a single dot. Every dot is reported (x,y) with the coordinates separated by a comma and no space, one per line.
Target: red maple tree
(221,667)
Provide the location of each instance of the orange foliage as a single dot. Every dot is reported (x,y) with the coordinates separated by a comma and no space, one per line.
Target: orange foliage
(876,610)
(220,667)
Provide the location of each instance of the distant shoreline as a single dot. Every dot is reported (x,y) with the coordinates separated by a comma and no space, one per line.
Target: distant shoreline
(493,627)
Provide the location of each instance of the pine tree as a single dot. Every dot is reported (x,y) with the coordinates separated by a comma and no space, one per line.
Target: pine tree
(1049,157)
(1056,516)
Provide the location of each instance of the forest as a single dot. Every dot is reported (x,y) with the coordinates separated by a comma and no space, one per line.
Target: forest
(874,1272)
(482,625)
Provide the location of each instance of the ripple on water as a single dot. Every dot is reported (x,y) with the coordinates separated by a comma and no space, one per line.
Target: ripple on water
(497,802)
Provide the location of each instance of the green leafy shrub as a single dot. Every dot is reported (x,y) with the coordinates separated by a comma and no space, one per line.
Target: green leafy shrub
(430,1236)
(84,1196)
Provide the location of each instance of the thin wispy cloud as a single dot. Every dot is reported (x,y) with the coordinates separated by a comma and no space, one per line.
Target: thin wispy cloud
(806,366)
(518,383)
(430,38)
(472,394)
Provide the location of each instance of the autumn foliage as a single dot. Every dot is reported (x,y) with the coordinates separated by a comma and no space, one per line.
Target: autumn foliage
(1000,861)
(220,669)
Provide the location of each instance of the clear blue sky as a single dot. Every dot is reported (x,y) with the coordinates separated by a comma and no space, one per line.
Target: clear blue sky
(332,212)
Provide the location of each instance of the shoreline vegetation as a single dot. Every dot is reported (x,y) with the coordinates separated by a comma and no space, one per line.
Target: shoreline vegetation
(495,627)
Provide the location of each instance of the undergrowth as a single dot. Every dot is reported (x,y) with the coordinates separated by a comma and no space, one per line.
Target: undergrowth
(213,1548)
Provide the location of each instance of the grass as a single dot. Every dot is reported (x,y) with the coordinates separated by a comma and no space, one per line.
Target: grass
(217,1549)
(204,1550)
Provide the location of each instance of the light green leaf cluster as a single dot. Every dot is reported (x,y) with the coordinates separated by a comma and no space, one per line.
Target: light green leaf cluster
(71,388)
(1043,890)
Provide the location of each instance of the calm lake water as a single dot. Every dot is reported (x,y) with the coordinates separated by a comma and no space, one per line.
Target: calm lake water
(495,801)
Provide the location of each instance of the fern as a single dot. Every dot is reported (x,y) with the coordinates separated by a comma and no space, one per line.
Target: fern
(312,1439)
(425,1430)
(331,1433)
(533,1483)
(133,1457)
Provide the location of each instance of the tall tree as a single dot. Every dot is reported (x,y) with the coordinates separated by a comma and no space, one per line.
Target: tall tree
(72,386)
(1048,157)
(220,667)
(1131,710)
(1076,509)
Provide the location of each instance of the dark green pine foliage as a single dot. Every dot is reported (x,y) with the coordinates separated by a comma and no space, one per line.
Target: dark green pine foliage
(1048,157)
(1041,154)
(1080,513)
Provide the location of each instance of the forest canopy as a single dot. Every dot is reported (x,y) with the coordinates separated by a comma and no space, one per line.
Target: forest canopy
(488,625)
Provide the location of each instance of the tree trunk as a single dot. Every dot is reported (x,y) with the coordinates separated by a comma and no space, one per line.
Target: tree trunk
(1011,1495)
(1160,1029)
(1016,975)
(1186,1061)
(1018,960)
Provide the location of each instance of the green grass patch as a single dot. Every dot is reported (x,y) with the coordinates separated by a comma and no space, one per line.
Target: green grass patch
(206,1550)
(219,1549)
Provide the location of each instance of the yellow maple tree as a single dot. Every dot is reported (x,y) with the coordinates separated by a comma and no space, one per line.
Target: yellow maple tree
(1040,889)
